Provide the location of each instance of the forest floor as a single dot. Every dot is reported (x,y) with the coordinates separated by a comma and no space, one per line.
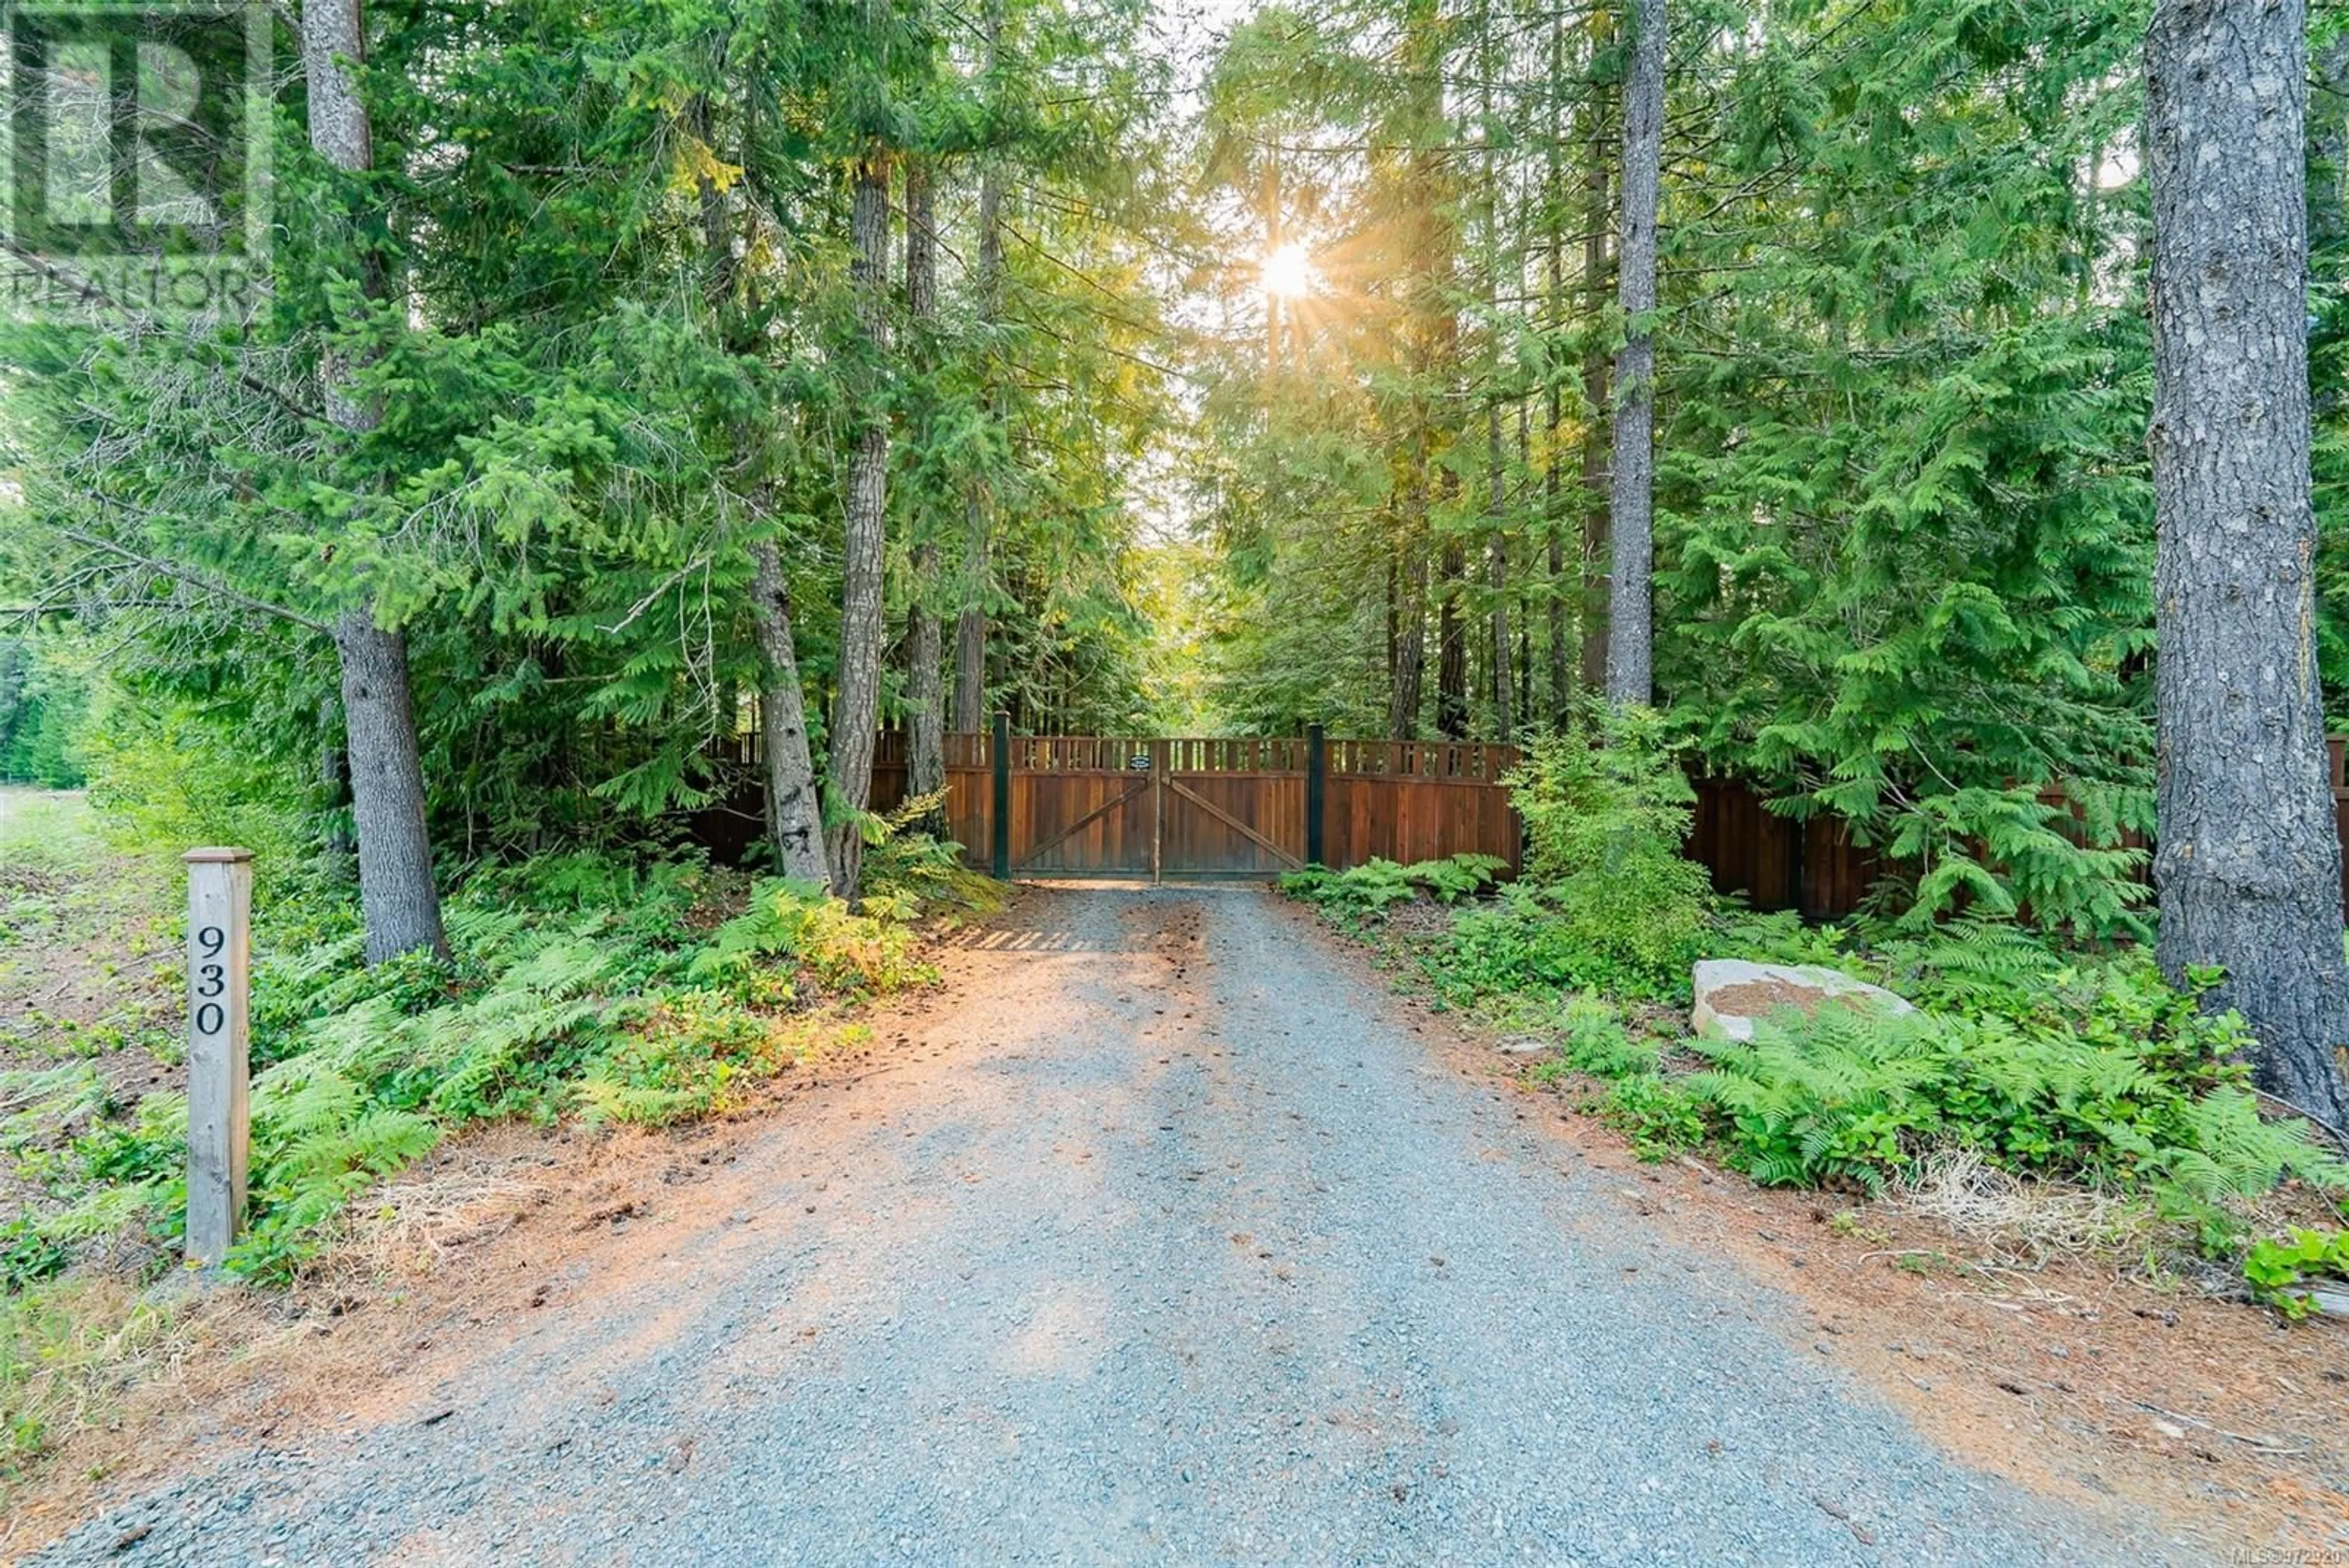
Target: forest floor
(88,967)
(85,959)
(1163,1232)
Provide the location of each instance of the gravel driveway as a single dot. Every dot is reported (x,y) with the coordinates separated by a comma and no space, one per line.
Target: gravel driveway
(1169,1242)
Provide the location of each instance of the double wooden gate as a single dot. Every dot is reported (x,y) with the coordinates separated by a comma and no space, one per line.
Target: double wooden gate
(1100,805)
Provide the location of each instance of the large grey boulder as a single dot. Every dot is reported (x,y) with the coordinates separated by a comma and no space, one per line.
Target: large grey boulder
(1731,993)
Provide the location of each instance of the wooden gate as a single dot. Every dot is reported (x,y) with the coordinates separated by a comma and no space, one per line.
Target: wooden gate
(1152,806)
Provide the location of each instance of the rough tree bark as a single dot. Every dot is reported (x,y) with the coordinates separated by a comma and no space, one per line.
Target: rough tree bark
(1505,691)
(2328,190)
(398,904)
(970,622)
(1452,646)
(1496,567)
(970,626)
(1411,628)
(925,752)
(1554,617)
(1596,479)
(2328,144)
(1496,545)
(1631,632)
(1429,321)
(795,810)
(1394,591)
(856,701)
(2248,862)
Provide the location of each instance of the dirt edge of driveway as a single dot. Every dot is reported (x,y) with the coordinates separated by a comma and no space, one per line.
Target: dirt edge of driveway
(445,1263)
(2073,1381)
(455,1258)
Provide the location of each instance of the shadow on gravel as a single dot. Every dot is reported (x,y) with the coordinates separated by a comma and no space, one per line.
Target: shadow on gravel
(1050,918)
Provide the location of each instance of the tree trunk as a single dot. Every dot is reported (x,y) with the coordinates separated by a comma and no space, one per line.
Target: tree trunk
(2249,864)
(1496,565)
(1554,619)
(1560,657)
(794,808)
(926,754)
(1505,686)
(1394,593)
(2328,146)
(1630,633)
(1411,631)
(856,702)
(794,813)
(2328,199)
(1496,549)
(1429,327)
(1452,647)
(1595,398)
(970,623)
(398,904)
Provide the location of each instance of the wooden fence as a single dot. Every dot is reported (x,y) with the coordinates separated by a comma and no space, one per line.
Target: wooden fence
(1780,864)
(1092,806)
(1105,806)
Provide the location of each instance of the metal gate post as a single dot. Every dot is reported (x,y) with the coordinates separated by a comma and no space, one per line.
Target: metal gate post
(1317,779)
(1157,808)
(1001,835)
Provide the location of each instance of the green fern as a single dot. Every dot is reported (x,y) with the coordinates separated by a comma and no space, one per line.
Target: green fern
(1967,961)
(35,1102)
(2113,1079)
(555,1002)
(1459,876)
(2232,1151)
(843,949)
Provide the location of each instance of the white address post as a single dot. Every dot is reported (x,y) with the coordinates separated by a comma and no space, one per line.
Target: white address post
(219,964)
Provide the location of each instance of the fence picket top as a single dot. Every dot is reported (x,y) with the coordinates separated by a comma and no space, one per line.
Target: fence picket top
(1461,761)
(1464,761)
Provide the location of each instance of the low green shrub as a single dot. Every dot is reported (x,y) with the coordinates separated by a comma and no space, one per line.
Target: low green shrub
(843,950)
(1660,1114)
(1592,1039)
(2111,1078)
(162,781)
(904,860)
(29,1253)
(1781,936)
(1972,965)
(1370,890)
(574,987)
(2276,1266)
(1590,1035)
(1608,902)
(674,1064)
(1551,939)
(1607,793)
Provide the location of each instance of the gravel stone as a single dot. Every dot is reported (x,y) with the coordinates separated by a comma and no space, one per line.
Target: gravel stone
(1108,1286)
